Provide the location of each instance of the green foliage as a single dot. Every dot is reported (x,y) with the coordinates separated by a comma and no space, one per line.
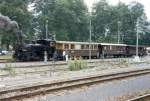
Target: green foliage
(107,16)
(16,10)
(75,65)
(10,70)
(68,19)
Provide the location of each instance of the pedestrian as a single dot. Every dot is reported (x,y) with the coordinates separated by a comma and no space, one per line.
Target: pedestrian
(45,56)
(55,56)
(64,55)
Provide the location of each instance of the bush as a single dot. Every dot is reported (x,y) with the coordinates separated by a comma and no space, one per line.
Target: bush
(75,64)
(10,70)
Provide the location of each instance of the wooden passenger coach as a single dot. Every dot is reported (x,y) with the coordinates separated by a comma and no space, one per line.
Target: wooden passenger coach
(112,50)
(98,50)
(77,49)
(131,50)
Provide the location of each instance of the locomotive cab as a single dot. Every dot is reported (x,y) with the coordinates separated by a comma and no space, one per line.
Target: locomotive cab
(50,46)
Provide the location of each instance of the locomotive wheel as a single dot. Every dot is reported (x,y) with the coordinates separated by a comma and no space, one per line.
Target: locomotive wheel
(25,58)
(28,58)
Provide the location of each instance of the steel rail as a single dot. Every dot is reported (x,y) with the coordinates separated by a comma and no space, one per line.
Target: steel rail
(49,68)
(33,90)
(4,60)
(140,98)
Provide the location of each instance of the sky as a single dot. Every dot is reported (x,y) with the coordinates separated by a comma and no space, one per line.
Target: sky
(146,4)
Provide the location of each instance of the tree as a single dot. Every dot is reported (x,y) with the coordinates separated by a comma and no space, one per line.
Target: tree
(68,19)
(16,10)
(136,10)
(101,18)
(120,18)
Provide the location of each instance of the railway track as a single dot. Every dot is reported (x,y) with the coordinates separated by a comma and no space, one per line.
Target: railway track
(141,98)
(50,63)
(40,68)
(57,62)
(18,93)
(35,72)
(49,68)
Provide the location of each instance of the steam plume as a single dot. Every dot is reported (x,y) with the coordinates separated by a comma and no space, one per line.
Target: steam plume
(7,24)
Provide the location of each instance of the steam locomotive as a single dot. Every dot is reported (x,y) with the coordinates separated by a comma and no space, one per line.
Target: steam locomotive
(36,50)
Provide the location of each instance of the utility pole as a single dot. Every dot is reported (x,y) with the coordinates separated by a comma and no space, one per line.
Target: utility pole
(137,59)
(119,32)
(137,37)
(46,36)
(90,31)
(46,27)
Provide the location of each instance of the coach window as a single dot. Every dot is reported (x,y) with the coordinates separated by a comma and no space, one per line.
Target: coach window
(66,46)
(82,46)
(110,47)
(87,46)
(72,46)
(91,46)
(114,47)
(95,46)
(59,46)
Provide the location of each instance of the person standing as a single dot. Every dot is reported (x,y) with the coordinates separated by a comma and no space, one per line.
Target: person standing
(55,56)
(64,54)
(45,56)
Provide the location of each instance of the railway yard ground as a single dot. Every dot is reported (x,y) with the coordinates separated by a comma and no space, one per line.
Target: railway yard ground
(24,75)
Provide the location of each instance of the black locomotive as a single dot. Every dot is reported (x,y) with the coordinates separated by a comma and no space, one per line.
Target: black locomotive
(35,51)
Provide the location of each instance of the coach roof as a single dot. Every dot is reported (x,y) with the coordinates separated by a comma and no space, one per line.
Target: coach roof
(93,43)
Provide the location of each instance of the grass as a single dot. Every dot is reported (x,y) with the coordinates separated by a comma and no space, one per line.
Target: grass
(10,69)
(9,57)
(122,63)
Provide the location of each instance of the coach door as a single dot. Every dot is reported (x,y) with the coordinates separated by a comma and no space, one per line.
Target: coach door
(99,51)
(127,50)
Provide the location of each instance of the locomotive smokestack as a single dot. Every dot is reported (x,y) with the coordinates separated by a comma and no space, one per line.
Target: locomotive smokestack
(19,36)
